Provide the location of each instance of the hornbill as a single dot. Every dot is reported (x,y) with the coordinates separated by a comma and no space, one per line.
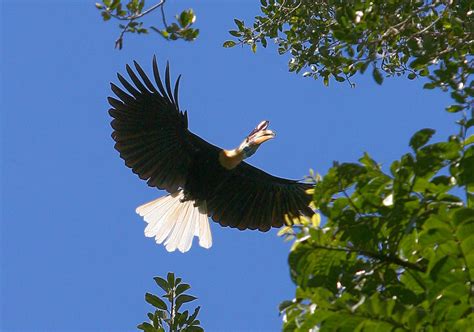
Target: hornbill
(203,180)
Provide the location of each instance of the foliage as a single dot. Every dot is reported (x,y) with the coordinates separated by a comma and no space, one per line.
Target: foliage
(133,11)
(397,251)
(338,39)
(169,315)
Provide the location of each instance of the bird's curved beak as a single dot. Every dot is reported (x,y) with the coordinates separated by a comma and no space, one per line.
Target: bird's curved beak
(261,133)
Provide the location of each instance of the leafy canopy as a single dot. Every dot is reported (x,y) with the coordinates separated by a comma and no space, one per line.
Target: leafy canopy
(397,251)
(337,39)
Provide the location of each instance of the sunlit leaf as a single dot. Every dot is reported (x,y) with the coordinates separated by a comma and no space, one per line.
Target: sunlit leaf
(421,137)
(229,43)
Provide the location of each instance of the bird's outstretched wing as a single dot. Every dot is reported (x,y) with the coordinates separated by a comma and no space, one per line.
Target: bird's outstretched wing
(150,131)
(250,198)
(152,136)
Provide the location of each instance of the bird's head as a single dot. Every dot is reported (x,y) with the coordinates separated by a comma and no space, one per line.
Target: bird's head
(231,158)
(252,142)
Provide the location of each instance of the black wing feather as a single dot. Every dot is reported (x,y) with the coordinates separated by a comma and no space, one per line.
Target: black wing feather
(152,136)
(136,81)
(145,78)
(168,83)
(135,93)
(150,131)
(156,74)
(257,200)
(176,93)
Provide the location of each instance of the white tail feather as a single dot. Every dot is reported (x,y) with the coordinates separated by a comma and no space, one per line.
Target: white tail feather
(203,228)
(175,222)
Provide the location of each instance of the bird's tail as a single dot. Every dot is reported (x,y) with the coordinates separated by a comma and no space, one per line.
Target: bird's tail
(176,222)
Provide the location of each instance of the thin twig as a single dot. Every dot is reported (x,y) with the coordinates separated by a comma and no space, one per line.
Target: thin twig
(135,16)
(351,202)
(163,16)
(270,20)
(378,256)
(119,41)
(132,18)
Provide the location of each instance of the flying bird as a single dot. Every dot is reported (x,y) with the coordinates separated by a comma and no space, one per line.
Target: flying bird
(152,136)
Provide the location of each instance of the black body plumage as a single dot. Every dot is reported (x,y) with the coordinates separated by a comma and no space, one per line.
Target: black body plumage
(152,136)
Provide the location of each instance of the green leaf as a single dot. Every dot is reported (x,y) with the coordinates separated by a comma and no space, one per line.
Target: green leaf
(367,161)
(429,86)
(454,108)
(183,298)
(284,305)
(147,327)
(469,140)
(182,288)
(470,123)
(155,301)
(186,18)
(467,169)
(114,4)
(170,278)
(254,48)
(458,97)
(377,76)
(162,283)
(463,215)
(421,137)
(105,16)
(239,23)
(235,33)
(194,315)
(229,43)
(419,63)
(326,80)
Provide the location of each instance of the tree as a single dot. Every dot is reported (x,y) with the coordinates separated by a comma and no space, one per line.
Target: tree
(396,252)
(397,249)
(338,39)
(170,316)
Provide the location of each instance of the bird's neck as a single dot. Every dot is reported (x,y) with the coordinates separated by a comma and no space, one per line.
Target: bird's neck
(229,159)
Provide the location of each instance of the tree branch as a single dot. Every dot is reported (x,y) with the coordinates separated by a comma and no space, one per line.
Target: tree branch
(132,18)
(381,257)
(119,40)
(135,16)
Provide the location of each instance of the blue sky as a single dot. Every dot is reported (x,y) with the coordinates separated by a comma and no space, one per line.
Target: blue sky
(73,253)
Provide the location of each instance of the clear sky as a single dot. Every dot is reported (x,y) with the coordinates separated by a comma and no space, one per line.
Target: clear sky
(73,253)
